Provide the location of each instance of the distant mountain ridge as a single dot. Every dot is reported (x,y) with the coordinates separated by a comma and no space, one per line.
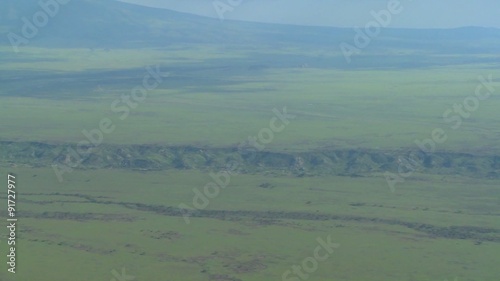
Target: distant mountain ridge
(108,23)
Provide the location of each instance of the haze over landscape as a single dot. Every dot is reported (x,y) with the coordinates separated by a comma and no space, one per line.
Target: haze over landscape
(250,140)
(343,13)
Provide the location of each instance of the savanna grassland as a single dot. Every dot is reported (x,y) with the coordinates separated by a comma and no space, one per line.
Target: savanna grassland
(136,200)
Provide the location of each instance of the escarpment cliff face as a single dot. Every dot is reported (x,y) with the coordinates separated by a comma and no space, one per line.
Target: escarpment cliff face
(344,162)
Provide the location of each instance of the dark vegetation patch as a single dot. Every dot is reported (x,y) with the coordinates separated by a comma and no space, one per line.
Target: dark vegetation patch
(76,246)
(160,235)
(247,266)
(475,233)
(272,217)
(222,277)
(268,217)
(81,217)
(266,185)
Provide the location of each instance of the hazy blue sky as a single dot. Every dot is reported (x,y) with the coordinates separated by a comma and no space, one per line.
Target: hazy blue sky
(347,13)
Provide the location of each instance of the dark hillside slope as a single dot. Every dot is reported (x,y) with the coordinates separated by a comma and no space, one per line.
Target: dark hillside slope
(112,24)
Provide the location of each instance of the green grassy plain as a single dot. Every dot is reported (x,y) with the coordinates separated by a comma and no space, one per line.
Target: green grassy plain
(85,229)
(434,227)
(221,100)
